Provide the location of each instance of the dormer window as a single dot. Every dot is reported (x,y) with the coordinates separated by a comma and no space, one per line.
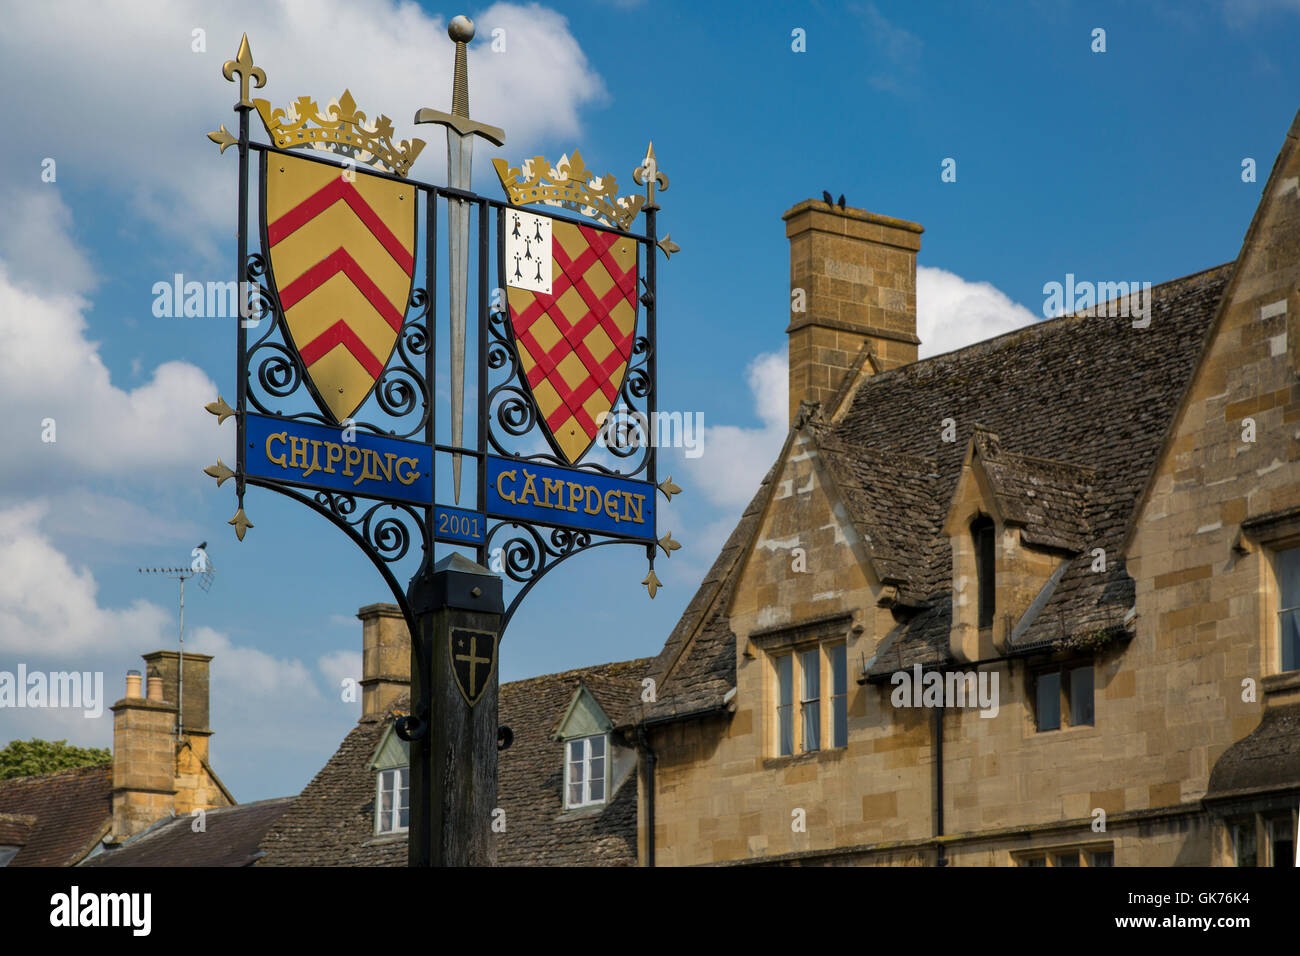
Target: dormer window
(391,765)
(584,771)
(982,532)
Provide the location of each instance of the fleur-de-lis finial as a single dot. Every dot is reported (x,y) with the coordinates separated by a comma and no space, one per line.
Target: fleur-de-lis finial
(243,65)
(649,176)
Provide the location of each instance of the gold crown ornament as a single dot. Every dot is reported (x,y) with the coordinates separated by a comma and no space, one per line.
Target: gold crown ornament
(570,185)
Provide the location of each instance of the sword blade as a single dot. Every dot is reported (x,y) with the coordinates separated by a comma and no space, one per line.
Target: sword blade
(460,154)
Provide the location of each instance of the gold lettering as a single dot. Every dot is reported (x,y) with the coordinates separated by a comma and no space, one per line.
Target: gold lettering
(628,498)
(611,504)
(558,487)
(501,494)
(529,486)
(575,489)
(330,457)
(410,475)
(281,437)
(297,453)
(315,455)
(385,467)
(366,457)
(587,508)
(351,457)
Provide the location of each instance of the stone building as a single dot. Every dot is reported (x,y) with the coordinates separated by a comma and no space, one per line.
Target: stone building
(567,784)
(159,775)
(1032,602)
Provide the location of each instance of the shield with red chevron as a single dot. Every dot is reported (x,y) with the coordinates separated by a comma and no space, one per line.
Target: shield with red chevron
(341,245)
(572,297)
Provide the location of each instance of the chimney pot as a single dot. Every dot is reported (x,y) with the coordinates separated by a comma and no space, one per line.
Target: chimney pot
(133,684)
(155,688)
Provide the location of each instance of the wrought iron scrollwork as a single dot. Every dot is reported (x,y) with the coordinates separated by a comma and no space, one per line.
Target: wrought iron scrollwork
(275,371)
(529,552)
(511,410)
(387,537)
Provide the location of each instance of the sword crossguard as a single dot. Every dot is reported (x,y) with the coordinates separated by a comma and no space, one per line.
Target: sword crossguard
(462,125)
(461,30)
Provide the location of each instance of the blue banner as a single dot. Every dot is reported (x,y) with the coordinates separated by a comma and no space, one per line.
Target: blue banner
(457,524)
(569,498)
(316,456)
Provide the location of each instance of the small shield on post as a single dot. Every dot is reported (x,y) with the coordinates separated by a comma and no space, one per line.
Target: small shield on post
(473,657)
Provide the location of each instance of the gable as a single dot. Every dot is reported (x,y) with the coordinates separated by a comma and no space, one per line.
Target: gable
(806,554)
(1246,379)
(393,752)
(584,717)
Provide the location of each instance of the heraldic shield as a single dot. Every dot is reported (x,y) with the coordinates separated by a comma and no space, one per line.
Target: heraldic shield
(341,245)
(572,296)
(473,656)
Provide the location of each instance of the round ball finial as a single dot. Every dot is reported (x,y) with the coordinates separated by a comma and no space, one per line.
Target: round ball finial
(461,29)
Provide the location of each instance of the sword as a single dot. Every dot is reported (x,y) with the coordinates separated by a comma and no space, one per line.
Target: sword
(461,131)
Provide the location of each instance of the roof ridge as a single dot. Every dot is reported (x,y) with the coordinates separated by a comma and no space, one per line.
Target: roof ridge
(66,771)
(584,671)
(1042,323)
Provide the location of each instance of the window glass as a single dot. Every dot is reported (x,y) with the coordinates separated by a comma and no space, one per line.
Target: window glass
(393,806)
(784,704)
(585,771)
(1288,586)
(1049,700)
(404,798)
(840,700)
(576,753)
(1081,696)
(1068,859)
(7,853)
(1281,841)
(1103,858)
(982,532)
(596,770)
(810,671)
(1243,842)
(1034,861)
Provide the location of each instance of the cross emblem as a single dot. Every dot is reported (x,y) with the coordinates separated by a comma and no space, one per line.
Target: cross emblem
(469,665)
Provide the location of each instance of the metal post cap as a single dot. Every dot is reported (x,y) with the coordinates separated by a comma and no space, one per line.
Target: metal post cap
(461,29)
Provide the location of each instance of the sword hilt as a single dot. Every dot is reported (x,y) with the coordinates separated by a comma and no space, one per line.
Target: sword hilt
(462,31)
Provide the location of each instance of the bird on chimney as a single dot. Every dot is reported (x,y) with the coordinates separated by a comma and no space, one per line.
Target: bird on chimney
(826,198)
(841,202)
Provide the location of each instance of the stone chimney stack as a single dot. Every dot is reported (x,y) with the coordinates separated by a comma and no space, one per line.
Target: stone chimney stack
(385,657)
(144,760)
(192,694)
(857,273)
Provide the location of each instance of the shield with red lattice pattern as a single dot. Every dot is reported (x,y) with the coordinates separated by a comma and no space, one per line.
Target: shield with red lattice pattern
(572,297)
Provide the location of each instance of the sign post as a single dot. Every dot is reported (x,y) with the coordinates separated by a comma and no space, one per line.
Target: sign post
(458,609)
(337,357)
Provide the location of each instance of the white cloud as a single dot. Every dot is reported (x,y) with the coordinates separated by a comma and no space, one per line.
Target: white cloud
(49,370)
(48,606)
(735,458)
(150,99)
(952,313)
(37,242)
(338,665)
(247,675)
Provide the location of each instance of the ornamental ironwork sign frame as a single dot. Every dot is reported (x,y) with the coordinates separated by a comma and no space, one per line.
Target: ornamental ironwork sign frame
(399,429)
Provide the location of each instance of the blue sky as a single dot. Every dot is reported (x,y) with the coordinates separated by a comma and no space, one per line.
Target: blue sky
(1122,165)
